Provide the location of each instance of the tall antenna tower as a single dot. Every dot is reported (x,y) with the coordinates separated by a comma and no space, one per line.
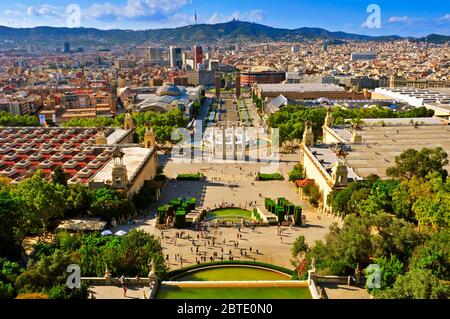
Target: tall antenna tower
(195,17)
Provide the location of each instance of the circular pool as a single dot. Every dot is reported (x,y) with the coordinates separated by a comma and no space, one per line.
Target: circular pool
(232,273)
(233,282)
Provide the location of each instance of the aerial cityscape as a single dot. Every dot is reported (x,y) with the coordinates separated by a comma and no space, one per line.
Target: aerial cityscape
(193,149)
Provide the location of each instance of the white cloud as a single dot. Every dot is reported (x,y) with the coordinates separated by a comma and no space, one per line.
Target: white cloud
(137,8)
(446,17)
(255,15)
(404,19)
(45,10)
(219,18)
(12,13)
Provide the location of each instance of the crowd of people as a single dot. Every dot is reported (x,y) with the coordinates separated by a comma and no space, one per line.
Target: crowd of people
(210,244)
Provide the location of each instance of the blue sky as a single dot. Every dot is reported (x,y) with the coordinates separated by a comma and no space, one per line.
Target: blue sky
(406,18)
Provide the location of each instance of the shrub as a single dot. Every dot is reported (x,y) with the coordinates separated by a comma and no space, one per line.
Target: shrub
(33,295)
(270,177)
(189,177)
(297,173)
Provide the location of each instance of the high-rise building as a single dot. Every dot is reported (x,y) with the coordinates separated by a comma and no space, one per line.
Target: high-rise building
(238,84)
(175,58)
(295,49)
(325,46)
(198,55)
(155,55)
(218,83)
(66,47)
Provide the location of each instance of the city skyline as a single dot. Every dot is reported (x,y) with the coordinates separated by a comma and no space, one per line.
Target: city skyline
(401,18)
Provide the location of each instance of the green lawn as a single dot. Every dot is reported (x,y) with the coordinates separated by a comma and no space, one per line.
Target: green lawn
(230,214)
(171,292)
(232,273)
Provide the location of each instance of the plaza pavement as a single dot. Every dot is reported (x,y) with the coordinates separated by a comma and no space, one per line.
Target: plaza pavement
(234,183)
(231,183)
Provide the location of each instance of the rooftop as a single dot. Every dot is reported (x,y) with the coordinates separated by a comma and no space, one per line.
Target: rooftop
(381,144)
(299,87)
(26,149)
(133,159)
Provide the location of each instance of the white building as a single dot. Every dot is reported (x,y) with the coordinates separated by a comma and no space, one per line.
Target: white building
(363,56)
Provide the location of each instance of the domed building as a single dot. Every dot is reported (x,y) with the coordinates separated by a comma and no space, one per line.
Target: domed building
(168,89)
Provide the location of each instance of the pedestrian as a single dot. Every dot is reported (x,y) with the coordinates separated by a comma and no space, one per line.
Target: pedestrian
(122,283)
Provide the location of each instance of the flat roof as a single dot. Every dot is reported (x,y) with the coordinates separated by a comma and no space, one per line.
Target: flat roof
(134,158)
(327,157)
(382,144)
(116,136)
(300,87)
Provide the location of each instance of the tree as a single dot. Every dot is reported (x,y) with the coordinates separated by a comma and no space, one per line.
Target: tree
(79,200)
(416,284)
(11,231)
(44,273)
(41,200)
(107,203)
(361,239)
(431,201)
(434,255)
(419,163)
(390,268)
(8,274)
(133,254)
(59,176)
(8,119)
(297,173)
(299,246)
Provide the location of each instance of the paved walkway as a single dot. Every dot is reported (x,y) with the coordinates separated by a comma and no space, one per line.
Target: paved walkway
(116,292)
(234,183)
(335,291)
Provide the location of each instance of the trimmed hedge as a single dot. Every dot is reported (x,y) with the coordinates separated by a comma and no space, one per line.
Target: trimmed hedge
(178,208)
(283,207)
(297,216)
(170,275)
(189,177)
(270,177)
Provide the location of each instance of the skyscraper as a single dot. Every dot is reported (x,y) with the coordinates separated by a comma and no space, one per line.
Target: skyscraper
(175,57)
(66,47)
(198,55)
(218,83)
(238,84)
(156,55)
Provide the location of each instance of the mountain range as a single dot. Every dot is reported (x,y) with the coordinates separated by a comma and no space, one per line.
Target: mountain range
(200,33)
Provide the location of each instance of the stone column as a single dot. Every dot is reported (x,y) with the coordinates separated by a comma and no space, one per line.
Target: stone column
(224,144)
(234,146)
(244,142)
(213,141)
